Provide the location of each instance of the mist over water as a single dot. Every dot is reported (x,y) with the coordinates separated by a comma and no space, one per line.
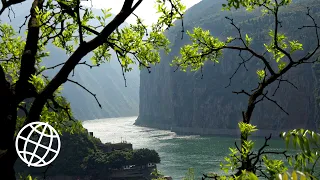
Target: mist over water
(177,153)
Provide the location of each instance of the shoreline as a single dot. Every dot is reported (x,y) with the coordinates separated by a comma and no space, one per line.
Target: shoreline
(210,131)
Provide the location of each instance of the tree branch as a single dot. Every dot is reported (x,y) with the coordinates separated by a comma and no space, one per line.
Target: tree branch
(28,58)
(94,95)
(123,75)
(79,21)
(62,76)
(6,4)
(241,92)
(239,65)
(58,106)
(264,60)
(276,33)
(275,102)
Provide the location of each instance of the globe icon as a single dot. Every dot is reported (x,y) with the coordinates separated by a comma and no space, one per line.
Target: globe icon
(37,152)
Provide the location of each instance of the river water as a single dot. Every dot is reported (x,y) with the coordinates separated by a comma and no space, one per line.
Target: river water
(177,153)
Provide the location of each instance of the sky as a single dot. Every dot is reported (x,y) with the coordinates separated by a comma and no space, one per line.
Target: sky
(145,11)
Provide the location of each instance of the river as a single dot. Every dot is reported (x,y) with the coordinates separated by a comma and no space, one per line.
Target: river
(177,153)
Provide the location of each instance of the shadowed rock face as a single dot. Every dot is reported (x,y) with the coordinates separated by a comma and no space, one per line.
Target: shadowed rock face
(171,99)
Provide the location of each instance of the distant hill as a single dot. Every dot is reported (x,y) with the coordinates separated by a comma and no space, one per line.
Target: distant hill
(184,102)
(106,81)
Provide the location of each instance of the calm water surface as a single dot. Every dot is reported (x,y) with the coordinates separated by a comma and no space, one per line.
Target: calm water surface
(177,153)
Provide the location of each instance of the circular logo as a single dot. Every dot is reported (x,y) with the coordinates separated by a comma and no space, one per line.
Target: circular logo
(39,145)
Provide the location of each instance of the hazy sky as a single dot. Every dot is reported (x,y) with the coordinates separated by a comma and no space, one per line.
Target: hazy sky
(146,10)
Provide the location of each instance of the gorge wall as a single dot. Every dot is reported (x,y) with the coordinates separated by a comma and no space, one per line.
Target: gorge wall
(185,102)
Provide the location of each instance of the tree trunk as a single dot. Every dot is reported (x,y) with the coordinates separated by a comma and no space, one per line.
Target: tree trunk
(7,161)
(8,155)
(8,119)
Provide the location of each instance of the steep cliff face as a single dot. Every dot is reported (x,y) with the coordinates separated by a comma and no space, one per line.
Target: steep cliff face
(178,99)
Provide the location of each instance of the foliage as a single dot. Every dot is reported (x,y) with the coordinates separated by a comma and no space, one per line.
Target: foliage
(90,159)
(204,47)
(295,175)
(308,142)
(28,177)
(68,162)
(159,176)
(118,158)
(301,165)
(145,156)
(189,175)
(66,24)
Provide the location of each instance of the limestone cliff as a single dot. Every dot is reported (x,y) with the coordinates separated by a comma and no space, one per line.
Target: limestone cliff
(106,81)
(178,100)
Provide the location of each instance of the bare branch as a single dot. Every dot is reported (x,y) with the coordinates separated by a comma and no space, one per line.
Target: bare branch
(79,21)
(60,64)
(11,10)
(316,27)
(261,152)
(123,75)
(24,23)
(58,106)
(6,4)
(241,92)
(275,102)
(239,65)
(283,80)
(94,95)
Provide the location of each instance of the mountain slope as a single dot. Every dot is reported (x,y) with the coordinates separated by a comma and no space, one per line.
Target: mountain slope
(187,103)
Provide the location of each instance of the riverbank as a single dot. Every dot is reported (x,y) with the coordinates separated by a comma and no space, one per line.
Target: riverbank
(178,153)
(209,131)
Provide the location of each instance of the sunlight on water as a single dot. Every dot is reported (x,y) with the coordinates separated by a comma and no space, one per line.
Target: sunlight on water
(177,153)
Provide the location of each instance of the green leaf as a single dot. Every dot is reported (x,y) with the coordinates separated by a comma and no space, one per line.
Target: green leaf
(261,74)
(248,40)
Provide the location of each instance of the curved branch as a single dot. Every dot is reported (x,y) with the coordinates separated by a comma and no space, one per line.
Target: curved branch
(94,95)
(6,4)
(123,75)
(276,33)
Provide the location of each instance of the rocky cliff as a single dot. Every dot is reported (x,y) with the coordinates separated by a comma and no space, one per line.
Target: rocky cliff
(188,103)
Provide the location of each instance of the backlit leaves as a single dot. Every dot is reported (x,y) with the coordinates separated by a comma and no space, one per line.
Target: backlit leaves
(204,47)
(261,74)
(295,175)
(11,49)
(309,144)
(294,46)
(271,48)
(274,166)
(167,13)
(248,40)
